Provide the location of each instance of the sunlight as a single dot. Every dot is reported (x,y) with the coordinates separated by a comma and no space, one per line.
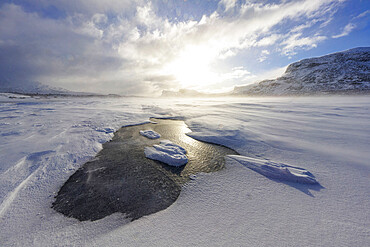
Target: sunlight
(192,67)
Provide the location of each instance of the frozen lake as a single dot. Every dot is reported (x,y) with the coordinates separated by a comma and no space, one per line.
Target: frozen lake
(44,141)
(121,179)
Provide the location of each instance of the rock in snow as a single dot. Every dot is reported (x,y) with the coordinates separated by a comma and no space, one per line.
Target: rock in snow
(340,72)
(167,152)
(276,170)
(151,134)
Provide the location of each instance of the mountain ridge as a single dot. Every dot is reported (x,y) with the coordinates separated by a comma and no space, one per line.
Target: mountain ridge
(340,72)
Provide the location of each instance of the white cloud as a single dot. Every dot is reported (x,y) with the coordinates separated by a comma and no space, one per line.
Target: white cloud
(296,40)
(346,30)
(237,73)
(137,47)
(265,75)
(228,4)
(363,14)
(264,54)
(352,25)
(269,40)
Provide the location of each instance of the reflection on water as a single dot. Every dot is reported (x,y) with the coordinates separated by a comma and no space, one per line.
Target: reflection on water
(122,179)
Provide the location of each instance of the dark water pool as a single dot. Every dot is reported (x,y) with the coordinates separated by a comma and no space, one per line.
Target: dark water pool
(121,179)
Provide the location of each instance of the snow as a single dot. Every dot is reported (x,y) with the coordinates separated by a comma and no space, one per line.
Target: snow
(276,170)
(341,72)
(32,87)
(151,134)
(167,152)
(7,96)
(44,141)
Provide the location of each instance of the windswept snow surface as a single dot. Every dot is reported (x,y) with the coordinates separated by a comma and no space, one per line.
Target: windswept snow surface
(151,134)
(167,152)
(276,170)
(43,141)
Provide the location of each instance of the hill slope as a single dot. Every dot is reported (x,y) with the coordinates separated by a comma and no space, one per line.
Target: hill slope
(31,88)
(340,72)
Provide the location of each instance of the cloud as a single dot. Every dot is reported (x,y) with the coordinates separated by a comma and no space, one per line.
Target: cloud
(127,47)
(264,54)
(352,25)
(346,30)
(296,40)
(239,73)
(363,14)
(49,50)
(227,4)
(86,7)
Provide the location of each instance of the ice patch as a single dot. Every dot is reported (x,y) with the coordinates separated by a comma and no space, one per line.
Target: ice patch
(167,152)
(139,123)
(276,170)
(151,134)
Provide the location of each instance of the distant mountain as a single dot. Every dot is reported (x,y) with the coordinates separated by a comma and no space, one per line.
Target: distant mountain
(341,72)
(31,88)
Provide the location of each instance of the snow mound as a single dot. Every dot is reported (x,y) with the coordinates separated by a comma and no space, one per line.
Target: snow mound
(151,134)
(167,152)
(276,170)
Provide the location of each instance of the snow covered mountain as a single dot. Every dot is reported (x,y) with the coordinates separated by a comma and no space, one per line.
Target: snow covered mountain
(341,72)
(31,88)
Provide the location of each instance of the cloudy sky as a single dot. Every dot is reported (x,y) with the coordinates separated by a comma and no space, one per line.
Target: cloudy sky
(142,47)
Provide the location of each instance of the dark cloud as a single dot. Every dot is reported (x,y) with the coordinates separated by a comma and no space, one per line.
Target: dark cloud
(74,50)
(35,49)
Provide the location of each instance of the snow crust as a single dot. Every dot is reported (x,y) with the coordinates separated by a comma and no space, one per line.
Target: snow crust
(276,170)
(44,141)
(151,134)
(167,152)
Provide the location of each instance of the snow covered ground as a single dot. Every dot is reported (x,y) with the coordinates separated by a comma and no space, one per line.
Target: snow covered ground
(43,141)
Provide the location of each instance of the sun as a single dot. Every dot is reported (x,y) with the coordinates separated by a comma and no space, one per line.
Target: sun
(192,68)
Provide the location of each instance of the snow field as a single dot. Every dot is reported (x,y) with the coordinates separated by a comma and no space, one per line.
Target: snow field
(44,141)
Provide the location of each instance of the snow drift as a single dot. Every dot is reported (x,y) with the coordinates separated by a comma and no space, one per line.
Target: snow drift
(276,170)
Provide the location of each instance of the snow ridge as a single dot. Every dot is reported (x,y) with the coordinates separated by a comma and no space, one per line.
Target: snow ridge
(276,170)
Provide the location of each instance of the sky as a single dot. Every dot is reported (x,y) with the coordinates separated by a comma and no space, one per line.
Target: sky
(143,47)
